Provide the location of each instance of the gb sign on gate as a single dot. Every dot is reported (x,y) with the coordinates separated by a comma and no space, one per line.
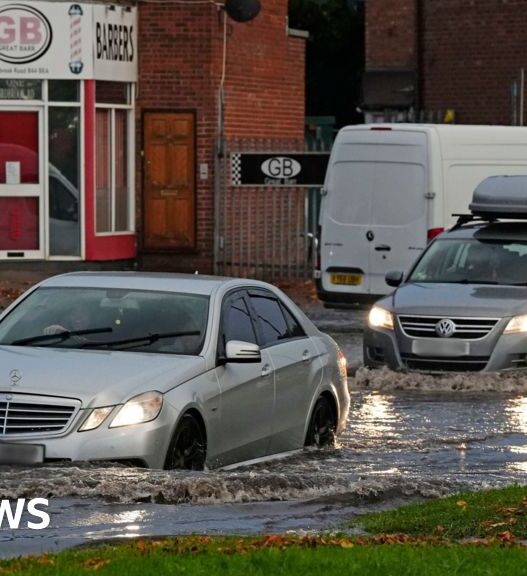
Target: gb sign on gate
(279,169)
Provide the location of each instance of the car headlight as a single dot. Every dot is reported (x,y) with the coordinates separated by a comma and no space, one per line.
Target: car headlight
(380,318)
(139,409)
(95,419)
(516,325)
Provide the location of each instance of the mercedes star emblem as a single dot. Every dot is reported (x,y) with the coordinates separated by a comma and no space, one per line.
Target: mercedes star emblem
(15,377)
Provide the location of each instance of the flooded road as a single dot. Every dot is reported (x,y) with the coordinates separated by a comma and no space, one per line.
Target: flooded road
(399,445)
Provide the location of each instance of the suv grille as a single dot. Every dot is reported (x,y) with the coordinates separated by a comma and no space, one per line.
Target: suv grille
(457,364)
(466,328)
(32,418)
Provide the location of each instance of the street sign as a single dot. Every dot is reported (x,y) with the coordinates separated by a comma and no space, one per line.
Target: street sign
(282,169)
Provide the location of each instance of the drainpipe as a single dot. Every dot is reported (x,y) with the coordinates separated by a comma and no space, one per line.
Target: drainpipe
(522,92)
(419,59)
(219,151)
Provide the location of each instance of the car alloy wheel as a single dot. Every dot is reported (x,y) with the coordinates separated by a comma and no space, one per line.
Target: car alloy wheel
(188,447)
(322,427)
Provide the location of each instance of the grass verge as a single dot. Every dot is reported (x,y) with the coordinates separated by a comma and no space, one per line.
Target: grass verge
(500,513)
(302,557)
(472,534)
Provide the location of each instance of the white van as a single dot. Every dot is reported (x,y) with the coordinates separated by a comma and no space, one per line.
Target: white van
(390,188)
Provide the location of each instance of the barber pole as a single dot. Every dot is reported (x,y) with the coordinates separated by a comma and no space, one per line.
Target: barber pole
(75,13)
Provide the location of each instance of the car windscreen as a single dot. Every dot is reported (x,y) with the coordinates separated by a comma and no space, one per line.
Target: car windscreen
(108,319)
(473,261)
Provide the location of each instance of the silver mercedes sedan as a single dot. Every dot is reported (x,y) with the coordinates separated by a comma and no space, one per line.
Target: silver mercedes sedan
(164,370)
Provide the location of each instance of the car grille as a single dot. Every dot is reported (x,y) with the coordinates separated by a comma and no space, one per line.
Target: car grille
(466,328)
(33,418)
(434,364)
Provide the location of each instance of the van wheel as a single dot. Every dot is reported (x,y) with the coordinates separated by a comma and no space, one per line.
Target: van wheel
(188,447)
(323,425)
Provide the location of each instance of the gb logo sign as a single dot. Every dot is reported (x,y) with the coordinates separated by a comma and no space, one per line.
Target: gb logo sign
(25,34)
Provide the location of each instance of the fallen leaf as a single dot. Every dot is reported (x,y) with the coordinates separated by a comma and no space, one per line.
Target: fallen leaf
(506,537)
(95,563)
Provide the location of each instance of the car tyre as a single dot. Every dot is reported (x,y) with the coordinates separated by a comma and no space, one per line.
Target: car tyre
(323,424)
(188,448)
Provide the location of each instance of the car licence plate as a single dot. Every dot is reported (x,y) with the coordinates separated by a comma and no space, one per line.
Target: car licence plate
(346,279)
(440,348)
(21,453)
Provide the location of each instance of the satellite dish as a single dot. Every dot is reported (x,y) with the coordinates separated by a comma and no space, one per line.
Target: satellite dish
(242,10)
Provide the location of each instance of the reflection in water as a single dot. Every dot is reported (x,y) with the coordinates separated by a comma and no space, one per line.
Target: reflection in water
(396,444)
(376,416)
(517,411)
(515,467)
(127,517)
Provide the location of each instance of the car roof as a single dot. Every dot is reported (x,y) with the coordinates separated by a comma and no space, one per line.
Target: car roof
(516,231)
(187,283)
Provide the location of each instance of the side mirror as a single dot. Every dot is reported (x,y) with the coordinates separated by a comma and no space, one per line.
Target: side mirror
(242,352)
(394,279)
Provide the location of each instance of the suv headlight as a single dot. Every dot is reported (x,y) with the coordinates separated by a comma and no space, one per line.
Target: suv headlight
(380,318)
(140,409)
(516,325)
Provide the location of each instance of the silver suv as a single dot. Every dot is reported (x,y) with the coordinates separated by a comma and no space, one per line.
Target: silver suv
(463,306)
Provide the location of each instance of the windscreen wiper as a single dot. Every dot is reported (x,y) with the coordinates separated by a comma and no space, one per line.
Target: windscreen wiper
(148,339)
(60,336)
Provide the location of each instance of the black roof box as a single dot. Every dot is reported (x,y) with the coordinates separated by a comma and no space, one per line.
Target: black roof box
(501,197)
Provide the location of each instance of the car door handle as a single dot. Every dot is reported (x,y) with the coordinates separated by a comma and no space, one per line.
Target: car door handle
(306,356)
(383,248)
(266,370)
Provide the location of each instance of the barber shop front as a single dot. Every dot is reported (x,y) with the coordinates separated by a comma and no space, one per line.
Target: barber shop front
(68,73)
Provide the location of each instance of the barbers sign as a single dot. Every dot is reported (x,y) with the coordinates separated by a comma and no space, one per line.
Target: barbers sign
(278,169)
(61,40)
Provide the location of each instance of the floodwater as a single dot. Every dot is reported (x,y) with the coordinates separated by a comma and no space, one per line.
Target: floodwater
(400,445)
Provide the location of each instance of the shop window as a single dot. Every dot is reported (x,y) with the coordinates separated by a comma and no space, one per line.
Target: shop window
(20,89)
(112,169)
(112,93)
(64,181)
(121,171)
(19,148)
(64,91)
(103,172)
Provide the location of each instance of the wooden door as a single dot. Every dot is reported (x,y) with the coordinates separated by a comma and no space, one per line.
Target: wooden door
(169,181)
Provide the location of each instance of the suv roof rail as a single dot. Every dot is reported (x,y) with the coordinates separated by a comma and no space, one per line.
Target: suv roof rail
(466,218)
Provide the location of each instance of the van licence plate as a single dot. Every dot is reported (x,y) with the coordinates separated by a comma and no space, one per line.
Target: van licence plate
(346,279)
(21,453)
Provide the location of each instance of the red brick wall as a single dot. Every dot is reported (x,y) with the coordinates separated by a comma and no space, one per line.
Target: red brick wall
(175,51)
(473,52)
(390,33)
(264,83)
(180,61)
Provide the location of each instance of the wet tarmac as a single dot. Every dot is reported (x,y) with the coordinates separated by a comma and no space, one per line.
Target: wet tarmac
(399,446)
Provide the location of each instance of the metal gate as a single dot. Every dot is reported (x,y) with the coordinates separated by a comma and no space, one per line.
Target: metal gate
(267,233)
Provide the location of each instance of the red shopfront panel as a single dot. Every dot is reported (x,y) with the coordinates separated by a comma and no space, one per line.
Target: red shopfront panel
(19,228)
(19,143)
